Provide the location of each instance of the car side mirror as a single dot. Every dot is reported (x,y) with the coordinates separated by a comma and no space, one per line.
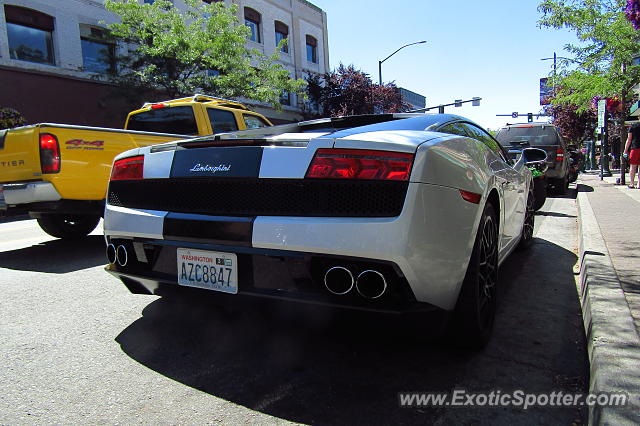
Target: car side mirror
(533,155)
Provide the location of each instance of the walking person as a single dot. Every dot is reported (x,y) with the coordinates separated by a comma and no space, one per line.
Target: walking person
(632,153)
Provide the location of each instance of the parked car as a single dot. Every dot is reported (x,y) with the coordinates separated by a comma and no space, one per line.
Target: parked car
(58,173)
(393,212)
(546,137)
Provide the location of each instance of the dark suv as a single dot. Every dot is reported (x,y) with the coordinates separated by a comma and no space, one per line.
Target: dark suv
(515,137)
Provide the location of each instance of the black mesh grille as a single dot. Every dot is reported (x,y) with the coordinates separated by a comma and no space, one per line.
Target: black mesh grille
(262,197)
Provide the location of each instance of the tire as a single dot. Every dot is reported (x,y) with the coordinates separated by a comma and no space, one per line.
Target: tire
(68,227)
(573,176)
(561,185)
(540,193)
(526,238)
(475,311)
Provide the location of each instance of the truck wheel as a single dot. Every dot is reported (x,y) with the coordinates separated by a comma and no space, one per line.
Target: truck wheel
(68,227)
(561,185)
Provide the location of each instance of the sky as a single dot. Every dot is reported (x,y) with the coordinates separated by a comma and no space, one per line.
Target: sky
(490,49)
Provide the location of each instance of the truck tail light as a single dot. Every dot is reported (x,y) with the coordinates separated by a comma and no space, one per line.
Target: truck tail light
(559,155)
(128,168)
(360,164)
(49,153)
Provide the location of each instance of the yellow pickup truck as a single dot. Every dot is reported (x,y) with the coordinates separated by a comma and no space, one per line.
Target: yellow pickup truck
(59,173)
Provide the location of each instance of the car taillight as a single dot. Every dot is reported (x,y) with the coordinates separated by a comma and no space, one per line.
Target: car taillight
(332,163)
(158,106)
(128,168)
(49,153)
(559,155)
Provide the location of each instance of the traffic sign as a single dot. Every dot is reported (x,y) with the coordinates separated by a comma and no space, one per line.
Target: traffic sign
(602,107)
(514,115)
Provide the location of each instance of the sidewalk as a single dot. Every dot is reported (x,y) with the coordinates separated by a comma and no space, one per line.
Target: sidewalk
(609,288)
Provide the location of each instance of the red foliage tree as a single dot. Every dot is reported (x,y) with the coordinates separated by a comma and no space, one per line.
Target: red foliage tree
(574,126)
(349,91)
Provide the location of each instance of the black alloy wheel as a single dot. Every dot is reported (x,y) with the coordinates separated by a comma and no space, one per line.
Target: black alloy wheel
(526,239)
(476,308)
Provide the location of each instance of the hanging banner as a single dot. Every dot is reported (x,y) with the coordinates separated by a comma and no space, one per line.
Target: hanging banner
(545,91)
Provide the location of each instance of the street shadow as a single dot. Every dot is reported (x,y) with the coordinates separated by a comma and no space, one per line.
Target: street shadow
(317,366)
(57,256)
(571,193)
(553,214)
(584,188)
(9,219)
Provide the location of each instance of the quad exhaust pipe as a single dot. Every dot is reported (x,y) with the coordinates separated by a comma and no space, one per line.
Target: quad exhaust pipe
(111,254)
(338,280)
(117,255)
(370,284)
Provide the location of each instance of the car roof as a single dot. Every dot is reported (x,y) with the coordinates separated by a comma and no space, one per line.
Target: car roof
(350,125)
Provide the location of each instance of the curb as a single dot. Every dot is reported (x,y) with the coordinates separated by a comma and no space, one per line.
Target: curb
(613,343)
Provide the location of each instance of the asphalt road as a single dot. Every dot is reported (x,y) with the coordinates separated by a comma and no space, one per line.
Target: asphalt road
(77,347)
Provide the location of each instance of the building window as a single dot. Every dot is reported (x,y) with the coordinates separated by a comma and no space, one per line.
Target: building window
(312,49)
(282,33)
(30,35)
(252,20)
(98,50)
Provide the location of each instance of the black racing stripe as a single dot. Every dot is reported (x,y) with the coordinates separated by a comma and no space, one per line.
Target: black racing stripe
(240,161)
(210,229)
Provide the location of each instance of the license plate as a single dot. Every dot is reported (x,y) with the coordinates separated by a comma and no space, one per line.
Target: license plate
(208,269)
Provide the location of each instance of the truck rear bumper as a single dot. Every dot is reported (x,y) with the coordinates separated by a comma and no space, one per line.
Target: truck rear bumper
(27,192)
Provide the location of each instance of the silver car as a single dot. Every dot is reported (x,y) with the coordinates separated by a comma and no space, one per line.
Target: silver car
(389,213)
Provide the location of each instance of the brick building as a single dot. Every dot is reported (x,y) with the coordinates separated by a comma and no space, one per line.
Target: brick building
(50,65)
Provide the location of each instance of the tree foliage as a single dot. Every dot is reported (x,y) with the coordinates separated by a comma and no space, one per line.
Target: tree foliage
(175,50)
(349,91)
(574,125)
(608,44)
(10,117)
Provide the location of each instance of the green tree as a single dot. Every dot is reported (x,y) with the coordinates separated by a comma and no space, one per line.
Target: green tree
(201,48)
(608,44)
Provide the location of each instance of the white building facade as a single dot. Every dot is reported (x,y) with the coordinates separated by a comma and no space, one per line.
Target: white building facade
(49,49)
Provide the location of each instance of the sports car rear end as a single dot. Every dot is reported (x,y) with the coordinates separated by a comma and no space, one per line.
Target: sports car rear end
(357,216)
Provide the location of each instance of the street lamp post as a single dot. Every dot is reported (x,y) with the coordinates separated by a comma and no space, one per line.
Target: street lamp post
(555,60)
(380,62)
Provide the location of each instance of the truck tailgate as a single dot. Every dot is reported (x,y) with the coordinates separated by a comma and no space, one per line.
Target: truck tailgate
(19,156)
(87,153)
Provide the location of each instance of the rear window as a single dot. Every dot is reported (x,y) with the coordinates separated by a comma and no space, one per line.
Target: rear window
(222,120)
(178,120)
(534,136)
(253,122)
